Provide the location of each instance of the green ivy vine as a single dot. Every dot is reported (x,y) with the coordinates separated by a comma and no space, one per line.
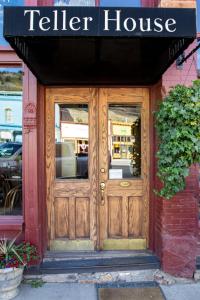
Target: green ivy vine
(178,129)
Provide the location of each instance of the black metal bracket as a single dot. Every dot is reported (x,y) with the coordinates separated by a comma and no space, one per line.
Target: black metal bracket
(190,54)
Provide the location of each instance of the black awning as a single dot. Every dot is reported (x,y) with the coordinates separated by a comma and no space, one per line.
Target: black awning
(84,45)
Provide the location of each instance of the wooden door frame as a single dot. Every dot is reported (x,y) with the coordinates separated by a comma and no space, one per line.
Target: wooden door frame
(140,92)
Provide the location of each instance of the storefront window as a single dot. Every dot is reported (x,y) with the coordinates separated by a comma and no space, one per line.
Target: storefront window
(74,2)
(124,124)
(10,141)
(121,3)
(2,4)
(111,3)
(71,137)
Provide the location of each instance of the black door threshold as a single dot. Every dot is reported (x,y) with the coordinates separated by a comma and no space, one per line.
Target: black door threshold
(107,261)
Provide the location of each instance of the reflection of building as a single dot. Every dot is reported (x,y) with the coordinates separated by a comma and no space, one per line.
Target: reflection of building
(10,116)
(121,140)
(77,134)
(74,2)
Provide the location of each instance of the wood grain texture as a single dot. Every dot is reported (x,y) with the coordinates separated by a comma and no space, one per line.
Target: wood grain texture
(61,217)
(145,164)
(135,221)
(77,211)
(82,217)
(114,217)
(50,168)
(125,212)
(72,218)
(103,163)
(81,194)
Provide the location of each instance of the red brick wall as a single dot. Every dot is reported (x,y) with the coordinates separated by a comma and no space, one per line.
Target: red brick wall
(176,229)
(149,3)
(177,3)
(176,220)
(185,76)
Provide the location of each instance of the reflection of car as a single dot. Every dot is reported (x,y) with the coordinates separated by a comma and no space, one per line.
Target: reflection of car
(11,158)
(68,163)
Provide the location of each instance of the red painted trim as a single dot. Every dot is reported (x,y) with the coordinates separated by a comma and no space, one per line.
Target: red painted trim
(9,58)
(3,48)
(155,95)
(30,160)
(11,223)
(45,2)
(31,2)
(42,166)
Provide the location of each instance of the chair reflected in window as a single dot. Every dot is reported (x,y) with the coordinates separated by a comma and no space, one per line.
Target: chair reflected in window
(10,196)
(12,199)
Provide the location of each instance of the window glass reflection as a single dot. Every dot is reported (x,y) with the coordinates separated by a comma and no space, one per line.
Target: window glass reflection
(74,2)
(121,3)
(72,136)
(10,141)
(124,141)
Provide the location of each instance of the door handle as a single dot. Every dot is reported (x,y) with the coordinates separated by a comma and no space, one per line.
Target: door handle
(102,189)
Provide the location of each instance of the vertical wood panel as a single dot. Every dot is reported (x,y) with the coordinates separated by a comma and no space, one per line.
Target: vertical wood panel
(135,220)
(103,163)
(61,217)
(82,212)
(125,211)
(50,170)
(114,217)
(93,160)
(72,218)
(145,163)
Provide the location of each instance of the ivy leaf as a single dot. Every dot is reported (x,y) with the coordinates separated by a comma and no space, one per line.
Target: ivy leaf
(178,129)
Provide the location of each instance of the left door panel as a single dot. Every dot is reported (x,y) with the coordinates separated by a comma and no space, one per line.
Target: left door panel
(71,162)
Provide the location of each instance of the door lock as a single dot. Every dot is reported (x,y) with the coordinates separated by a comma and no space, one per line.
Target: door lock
(102,189)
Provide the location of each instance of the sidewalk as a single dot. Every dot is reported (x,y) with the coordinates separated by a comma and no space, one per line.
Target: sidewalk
(75,291)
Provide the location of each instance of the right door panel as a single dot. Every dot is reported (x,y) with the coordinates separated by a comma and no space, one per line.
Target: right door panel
(123,168)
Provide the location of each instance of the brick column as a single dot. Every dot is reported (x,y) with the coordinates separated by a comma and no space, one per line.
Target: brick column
(178,3)
(177,228)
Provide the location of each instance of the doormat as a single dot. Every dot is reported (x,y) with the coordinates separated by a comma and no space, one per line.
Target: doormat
(144,293)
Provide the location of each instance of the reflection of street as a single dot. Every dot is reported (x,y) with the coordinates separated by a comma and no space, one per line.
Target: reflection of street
(123,164)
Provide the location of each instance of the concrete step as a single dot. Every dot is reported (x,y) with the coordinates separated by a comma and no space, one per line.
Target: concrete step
(84,255)
(90,262)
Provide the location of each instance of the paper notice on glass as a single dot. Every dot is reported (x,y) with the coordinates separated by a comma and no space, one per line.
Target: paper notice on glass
(115,174)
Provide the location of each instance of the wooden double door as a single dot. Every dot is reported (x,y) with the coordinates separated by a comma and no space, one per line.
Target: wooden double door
(97,168)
